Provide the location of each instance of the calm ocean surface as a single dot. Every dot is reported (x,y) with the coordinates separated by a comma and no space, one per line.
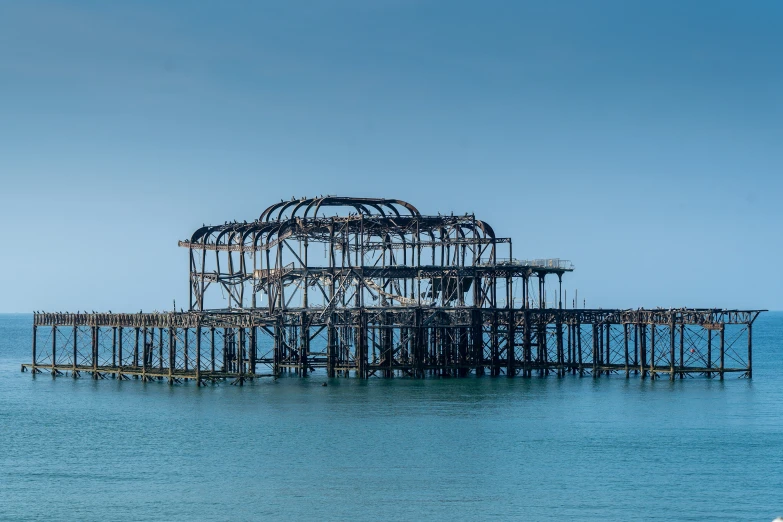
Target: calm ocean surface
(530,449)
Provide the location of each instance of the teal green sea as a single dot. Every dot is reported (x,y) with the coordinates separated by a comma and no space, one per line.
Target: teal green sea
(436,449)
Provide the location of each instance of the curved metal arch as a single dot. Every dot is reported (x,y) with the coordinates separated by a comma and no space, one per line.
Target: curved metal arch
(271,208)
(199,233)
(377,203)
(359,207)
(231,228)
(357,203)
(263,228)
(484,226)
(285,207)
(410,208)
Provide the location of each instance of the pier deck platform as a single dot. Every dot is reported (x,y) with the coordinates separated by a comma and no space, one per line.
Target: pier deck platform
(239,345)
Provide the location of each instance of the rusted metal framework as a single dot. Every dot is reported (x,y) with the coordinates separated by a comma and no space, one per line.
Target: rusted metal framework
(371,287)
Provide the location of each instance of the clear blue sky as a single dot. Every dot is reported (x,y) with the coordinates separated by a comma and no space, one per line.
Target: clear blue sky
(642,140)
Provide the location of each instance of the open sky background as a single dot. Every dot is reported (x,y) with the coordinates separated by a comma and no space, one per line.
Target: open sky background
(642,140)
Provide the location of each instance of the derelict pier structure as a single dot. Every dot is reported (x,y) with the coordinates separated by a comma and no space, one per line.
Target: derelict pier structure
(373,288)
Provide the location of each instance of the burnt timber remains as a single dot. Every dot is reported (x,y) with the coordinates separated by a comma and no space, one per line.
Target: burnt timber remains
(380,290)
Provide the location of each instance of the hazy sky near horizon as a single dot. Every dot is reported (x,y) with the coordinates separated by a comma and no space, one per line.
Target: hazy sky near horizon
(641,140)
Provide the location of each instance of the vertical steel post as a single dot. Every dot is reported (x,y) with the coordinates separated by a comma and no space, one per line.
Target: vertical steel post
(642,334)
(239,353)
(671,345)
(636,347)
(35,346)
(253,351)
(722,348)
(569,342)
(579,346)
(54,350)
(304,343)
(682,348)
(145,356)
(119,351)
(198,354)
(278,346)
(136,348)
(419,346)
(494,355)
(542,348)
(212,349)
(75,349)
(527,371)
(625,348)
(510,343)
(95,334)
(595,350)
(225,352)
(608,347)
(560,357)
(113,347)
(652,351)
(331,342)
(750,350)
(185,353)
(172,355)
(160,349)
(362,345)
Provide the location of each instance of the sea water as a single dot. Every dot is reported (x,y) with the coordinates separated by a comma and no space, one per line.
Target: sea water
(437,449)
